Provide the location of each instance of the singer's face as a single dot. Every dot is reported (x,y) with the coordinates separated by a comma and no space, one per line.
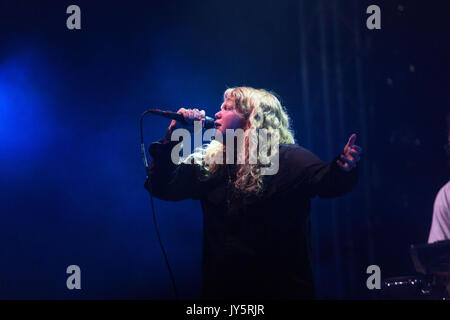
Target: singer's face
(229,118)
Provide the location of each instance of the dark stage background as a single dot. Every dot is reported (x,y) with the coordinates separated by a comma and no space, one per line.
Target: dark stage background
(71,175)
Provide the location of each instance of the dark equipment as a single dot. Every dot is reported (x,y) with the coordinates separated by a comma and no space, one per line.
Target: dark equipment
(432,281)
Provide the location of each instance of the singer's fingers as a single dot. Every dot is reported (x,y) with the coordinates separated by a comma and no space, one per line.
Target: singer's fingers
(348,161)
(355,156)
(185,114)
(203,115)
(357,148)
(197,114)
(351,140)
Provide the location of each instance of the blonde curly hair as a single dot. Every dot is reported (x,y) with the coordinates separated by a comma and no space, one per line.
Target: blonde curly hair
(262,110)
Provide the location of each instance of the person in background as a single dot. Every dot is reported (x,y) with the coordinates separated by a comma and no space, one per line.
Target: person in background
(440,225)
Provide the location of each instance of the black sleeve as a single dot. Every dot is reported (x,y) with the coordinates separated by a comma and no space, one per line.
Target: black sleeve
(169,181)
(319,178)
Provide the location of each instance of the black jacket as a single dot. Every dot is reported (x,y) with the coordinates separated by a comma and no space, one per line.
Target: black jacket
(254,247)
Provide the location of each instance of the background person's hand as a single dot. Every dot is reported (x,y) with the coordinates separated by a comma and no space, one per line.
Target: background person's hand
(351,155)
(190,115)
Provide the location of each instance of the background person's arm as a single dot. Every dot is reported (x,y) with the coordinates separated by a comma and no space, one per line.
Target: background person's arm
(440,225)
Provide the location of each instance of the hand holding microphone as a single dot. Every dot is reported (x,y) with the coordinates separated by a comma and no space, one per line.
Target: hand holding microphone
(189,115)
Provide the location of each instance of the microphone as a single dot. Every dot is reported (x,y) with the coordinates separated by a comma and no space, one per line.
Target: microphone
(208,123)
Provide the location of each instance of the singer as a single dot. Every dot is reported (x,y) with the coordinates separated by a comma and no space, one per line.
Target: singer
(257,234)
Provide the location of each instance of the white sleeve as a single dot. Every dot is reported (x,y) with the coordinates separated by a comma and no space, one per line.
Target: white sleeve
(440,226)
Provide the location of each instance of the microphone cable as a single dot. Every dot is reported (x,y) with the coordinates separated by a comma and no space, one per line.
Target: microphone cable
(144,158)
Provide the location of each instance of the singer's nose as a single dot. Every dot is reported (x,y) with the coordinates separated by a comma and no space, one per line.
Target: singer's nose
(218,115)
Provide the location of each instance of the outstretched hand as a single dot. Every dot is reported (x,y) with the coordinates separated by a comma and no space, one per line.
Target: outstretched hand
(351,155)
